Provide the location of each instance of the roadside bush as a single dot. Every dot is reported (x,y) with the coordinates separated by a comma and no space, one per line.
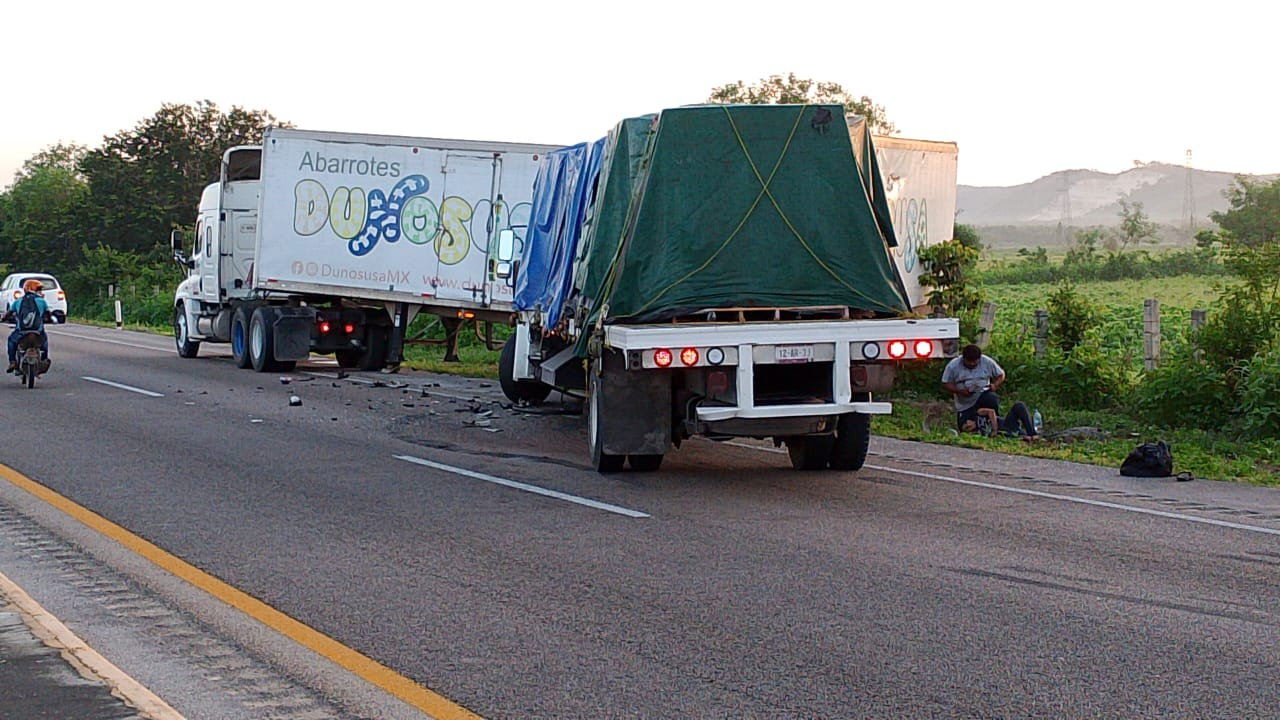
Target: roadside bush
(947,267)
(143,284)
(1083,264)
(1085,379)
(1183,392)
(149,309)
(1259,393)
(1070,317)
(1236,330)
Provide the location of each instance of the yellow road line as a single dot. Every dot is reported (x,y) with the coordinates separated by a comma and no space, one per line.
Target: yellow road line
(83,658)
(359,664)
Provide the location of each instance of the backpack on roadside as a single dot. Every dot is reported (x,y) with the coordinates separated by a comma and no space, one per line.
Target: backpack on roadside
(1150,459)
(30,319)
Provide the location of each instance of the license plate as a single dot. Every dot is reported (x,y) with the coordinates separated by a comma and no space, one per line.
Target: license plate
(793,353)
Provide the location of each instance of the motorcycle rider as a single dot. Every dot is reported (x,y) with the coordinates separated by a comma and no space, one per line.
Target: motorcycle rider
(35,288)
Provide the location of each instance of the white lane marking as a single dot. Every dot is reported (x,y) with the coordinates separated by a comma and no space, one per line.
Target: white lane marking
(522,486)
(1053,496)
(130,388)
(1085,501)
(109,341)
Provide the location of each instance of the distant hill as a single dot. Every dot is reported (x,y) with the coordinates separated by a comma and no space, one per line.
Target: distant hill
(1030,214)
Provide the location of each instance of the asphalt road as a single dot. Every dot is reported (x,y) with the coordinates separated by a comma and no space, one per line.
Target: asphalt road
(468,547)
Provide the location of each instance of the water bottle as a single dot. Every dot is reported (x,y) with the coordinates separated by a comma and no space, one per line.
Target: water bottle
(1037,421)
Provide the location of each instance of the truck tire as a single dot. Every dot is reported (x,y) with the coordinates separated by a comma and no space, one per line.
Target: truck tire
(518,391)
(240,336)
(374,356)
(853,437)
(262,340)
(645,463)
(809,452)
(187,348)
(603,462)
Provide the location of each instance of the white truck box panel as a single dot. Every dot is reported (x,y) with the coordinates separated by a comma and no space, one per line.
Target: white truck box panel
(400,218)
(920,183)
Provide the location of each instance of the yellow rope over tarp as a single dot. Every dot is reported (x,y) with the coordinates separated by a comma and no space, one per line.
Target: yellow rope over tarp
(764,192)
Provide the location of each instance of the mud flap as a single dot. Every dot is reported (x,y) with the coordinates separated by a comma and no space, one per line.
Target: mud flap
(636,404)
(292,332)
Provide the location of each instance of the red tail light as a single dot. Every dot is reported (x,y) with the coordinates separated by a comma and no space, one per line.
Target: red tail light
(324,327)
(897,349)
(662,357)
(689,356)
(924,348)
(349,328)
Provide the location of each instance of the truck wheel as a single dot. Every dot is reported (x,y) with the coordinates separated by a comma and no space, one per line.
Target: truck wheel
(240,336)
(518,391)
(645,463)
(187,348)
(374,356)
(602,461)
(853,437)
(261,340)
(809,452)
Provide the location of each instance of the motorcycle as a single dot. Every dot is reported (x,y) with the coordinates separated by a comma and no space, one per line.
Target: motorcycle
(30,364)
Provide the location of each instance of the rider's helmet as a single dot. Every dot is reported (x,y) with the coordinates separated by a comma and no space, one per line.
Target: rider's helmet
(33,285)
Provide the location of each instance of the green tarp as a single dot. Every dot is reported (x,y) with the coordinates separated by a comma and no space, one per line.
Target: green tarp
(737,206)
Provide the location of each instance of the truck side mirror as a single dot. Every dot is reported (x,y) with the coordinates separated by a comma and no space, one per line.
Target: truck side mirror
(506,253)
(175,243)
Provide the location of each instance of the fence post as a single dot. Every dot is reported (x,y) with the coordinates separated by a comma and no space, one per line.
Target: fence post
(986,321)
(1150,333)
(1041,338)
(1197,321)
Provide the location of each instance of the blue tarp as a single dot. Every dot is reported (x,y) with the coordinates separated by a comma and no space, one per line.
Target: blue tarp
(561,194)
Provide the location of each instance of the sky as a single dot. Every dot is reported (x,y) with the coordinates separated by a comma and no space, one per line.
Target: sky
(1024,88)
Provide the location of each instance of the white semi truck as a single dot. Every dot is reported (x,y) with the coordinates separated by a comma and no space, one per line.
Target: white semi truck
(722,271)
(322,242)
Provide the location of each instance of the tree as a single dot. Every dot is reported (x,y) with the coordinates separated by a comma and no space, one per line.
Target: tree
(967,235)
(42,216)
(66,156)
(792,90)
(1244,325)
(1254,216)
(947,267)
(1135,226)
(1084,247)
(1205,239)
(146,181)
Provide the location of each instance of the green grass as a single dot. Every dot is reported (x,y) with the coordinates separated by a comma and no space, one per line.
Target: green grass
(473,360)
(1204,455)
(1187,291)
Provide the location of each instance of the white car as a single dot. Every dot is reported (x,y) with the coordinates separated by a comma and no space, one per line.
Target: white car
(54,296)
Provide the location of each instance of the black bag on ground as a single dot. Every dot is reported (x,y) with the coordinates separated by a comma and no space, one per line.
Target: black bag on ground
(1150,459)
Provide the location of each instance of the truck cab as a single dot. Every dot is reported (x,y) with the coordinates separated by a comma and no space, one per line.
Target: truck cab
(220,265)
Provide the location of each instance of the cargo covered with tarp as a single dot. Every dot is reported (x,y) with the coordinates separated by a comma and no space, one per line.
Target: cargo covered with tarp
(568,177)
(728,206)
